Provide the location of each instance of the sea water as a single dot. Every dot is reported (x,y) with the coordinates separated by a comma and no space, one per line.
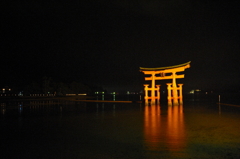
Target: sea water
(54,129)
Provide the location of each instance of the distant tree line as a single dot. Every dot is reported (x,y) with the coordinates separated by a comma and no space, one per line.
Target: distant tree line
(47,86)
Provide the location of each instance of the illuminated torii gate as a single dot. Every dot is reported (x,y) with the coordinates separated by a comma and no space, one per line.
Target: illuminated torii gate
(160,73)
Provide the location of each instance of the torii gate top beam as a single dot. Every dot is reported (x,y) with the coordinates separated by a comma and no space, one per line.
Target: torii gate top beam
(168,69)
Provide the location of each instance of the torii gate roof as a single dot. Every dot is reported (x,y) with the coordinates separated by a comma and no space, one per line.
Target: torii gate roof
(164,68)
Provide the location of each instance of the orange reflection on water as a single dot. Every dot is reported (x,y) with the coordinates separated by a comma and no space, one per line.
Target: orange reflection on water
(164,132)
(175,129)
(152,125)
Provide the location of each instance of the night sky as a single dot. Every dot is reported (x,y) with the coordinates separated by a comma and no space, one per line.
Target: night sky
(104,42)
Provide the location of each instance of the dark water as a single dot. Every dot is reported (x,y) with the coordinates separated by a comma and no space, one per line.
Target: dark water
(117,130)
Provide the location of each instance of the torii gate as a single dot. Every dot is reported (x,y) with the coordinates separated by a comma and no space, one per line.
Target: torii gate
(159,73)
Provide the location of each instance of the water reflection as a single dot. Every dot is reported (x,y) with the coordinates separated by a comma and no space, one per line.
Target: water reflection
(152,126)
(175,129)
(3,108)
(164,131)
(219,109)
(114,107)
(20,108)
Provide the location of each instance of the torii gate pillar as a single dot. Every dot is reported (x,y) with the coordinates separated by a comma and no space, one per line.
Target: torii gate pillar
(154,99)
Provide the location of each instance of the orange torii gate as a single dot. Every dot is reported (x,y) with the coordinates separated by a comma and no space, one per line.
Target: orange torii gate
(161,73)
